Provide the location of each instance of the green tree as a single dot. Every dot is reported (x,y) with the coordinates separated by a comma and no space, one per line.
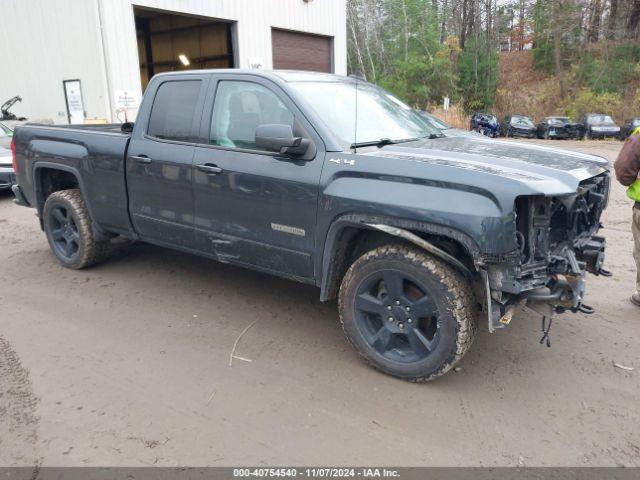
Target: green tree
(478,72)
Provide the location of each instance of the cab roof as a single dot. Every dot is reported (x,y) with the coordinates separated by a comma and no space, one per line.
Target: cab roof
(283,75)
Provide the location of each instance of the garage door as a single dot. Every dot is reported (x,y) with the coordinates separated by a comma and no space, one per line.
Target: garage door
(300,51)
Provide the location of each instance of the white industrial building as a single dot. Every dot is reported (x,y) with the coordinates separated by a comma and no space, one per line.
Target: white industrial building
(90,60)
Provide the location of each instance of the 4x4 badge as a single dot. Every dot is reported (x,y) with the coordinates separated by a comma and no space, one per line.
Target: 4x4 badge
(343,160)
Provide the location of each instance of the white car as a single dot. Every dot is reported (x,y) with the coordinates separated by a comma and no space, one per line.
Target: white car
(7,176)
(6,133)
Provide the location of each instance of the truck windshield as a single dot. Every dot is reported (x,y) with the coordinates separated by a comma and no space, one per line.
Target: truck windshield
(380,115)
(433,120)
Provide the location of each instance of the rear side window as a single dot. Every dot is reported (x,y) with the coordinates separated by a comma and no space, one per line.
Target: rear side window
(173,111)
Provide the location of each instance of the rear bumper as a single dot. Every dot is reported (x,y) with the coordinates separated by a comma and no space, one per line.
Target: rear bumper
(7,178)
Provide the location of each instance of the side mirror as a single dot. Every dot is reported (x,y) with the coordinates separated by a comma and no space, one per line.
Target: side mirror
(279,138)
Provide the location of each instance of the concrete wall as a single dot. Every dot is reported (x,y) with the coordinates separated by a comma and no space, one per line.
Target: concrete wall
(44,42)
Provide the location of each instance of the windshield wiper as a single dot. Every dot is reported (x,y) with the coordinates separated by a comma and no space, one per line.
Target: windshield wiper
(387,141)
(375,143)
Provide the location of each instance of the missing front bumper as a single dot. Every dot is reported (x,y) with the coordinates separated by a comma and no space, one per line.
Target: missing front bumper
(564,288)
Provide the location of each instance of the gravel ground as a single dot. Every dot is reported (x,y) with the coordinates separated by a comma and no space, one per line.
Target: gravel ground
(128,364)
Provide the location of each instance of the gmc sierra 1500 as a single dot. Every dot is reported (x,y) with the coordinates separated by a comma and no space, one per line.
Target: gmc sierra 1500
(331,181)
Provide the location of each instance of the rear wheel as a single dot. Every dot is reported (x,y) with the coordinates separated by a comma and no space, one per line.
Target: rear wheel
(68,228)
(408,314)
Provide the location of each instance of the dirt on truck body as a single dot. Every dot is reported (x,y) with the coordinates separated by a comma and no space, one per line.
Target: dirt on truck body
(331,181)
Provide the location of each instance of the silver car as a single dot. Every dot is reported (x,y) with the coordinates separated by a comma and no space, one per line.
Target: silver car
(6,133)
(7,176)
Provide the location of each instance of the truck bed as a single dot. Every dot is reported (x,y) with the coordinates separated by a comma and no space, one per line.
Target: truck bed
(97,127)
(95,154)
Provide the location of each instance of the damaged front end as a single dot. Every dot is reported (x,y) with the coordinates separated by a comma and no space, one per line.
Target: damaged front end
(557,244)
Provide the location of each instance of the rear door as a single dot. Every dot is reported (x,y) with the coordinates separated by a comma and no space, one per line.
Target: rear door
(254,207)
(160,160)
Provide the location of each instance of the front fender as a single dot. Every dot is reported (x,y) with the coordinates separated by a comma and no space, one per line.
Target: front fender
(326,265)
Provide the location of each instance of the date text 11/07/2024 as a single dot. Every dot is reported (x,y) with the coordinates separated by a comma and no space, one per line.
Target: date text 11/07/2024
(316,472)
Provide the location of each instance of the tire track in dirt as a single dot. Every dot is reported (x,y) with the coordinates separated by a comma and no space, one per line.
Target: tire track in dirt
(18,419)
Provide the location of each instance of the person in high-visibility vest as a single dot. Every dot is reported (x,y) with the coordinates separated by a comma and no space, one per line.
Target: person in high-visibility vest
(627,167)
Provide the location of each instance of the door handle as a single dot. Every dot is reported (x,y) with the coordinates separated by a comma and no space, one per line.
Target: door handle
(209,169)
(141,158)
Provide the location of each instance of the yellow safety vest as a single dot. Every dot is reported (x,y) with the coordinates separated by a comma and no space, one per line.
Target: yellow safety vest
(633,192)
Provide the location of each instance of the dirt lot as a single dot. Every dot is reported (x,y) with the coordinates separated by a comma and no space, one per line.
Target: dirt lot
(128,364)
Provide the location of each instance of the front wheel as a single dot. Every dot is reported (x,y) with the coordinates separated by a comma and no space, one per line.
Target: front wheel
(408,314)
(68,228)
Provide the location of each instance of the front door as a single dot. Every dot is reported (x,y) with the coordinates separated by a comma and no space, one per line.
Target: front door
(160,162)
(254,207)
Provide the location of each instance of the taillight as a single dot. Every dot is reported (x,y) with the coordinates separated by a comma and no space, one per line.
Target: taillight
(13,157)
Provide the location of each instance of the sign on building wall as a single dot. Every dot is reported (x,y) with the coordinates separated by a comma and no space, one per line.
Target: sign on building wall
(126,104)
(73,98)
(256,63)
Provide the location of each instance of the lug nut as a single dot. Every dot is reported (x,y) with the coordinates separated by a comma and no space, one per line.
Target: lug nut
(397,302)
(400,326)
(408,309)
(409,320)
(390,319)
(388,307)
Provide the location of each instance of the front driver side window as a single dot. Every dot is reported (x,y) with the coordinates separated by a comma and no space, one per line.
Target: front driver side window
(239,108)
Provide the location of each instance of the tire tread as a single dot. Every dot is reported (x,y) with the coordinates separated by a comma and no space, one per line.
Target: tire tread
(94,251)
(460,289)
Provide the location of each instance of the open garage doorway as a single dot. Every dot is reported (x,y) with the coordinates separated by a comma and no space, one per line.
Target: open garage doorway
(169,41)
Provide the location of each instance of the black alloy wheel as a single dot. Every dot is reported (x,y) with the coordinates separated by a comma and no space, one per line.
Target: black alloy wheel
(64,233)
(407,313)
(397,316)
(68,227)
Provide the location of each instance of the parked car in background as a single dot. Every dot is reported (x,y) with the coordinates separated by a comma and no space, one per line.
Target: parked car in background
(599,125)
(518,126)
(443,126)
(559,127)
(485,123)
(5,114)
(6,133)
(7,177)
(628,127)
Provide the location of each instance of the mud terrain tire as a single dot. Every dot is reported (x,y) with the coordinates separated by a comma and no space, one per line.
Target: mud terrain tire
(453,325)
(67,222)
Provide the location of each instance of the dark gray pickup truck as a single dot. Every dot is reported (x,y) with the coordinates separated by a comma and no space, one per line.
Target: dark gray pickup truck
(331,181)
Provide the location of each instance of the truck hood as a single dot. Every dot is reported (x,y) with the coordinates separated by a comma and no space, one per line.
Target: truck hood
(540,169)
